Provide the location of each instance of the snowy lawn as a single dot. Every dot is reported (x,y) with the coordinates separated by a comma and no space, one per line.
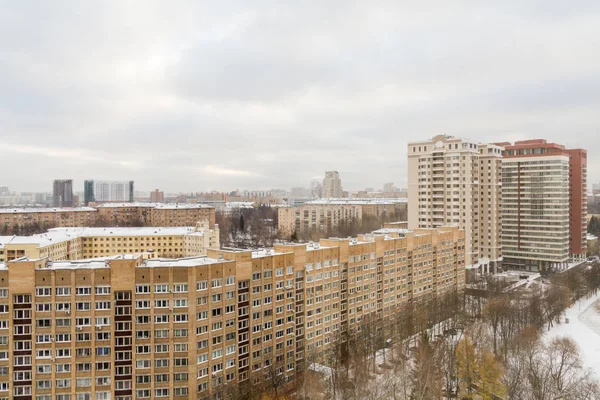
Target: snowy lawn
(584,329)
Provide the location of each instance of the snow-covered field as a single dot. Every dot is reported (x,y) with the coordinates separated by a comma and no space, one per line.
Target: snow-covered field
(584,329)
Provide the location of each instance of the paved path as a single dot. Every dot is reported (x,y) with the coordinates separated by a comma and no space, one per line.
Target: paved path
(591,318)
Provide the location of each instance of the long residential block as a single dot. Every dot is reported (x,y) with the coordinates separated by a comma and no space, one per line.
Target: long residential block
(208,327)
(109,214)
(80,243)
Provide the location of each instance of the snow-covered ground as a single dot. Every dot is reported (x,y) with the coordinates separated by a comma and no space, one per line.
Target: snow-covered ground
(584,329)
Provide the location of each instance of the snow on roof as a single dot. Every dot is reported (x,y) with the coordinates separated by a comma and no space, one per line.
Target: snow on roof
(264,253)
(44,210)
(181,262)
(104,262)
(358,201)
(126,231)
(387,231)
(238,204)
(159,206)
(316,246)
(80,264)
(57,235)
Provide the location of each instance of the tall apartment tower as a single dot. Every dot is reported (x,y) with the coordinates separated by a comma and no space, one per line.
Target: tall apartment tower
(545,205)
(454,181)
(63,193)
(108,191)
(332,185)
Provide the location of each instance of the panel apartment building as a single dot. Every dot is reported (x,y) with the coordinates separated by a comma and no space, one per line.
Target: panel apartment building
(545,205)
(324,215)
(62,193)
(206,327)
(107,191)
(454,181)
(157,214)
(113,214)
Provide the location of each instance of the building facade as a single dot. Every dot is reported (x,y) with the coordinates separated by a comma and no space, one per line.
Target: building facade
(332,185)
(157,196)
(18,218)
(156,214)
(62,193)
(79,243)
(206,327)
(326,215)
(544,204)
(111,214)
(108,191)
(454,181)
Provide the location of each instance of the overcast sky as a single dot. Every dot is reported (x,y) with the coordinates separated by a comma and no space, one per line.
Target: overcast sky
(219,95)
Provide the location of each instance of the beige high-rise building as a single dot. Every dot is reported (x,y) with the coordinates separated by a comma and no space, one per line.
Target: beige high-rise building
(332,185)
(454,181)
(210,327)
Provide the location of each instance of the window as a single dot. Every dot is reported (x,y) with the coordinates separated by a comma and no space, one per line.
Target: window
(102,290)
(63,291)
(140,289)
(161,288)
(180,303)
(39,307)
(83,291)
(180,288)
(43,291)
(201,285)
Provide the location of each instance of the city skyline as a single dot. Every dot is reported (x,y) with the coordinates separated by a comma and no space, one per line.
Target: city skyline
(344,86)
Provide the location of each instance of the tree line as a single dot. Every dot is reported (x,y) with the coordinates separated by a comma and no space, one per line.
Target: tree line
(350,227)
(465,347)
(248,227)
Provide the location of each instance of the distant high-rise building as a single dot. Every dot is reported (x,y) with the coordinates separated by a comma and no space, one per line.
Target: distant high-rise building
(157,196)
(389,187)
(315,188)
(544,210)
(63,193)
(332,185)
(453,181)
(107,191)
(4,191)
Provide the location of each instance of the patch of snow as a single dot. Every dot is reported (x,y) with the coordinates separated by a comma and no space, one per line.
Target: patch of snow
(584,329)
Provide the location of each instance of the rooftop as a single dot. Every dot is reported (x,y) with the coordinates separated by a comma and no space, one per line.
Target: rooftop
(44,210)
(180,262)
(387,231)
(57,235)
(104,262)
(359,201)
(160,206)
(264,253)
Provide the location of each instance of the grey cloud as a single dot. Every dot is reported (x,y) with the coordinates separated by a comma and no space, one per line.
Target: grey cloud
(262,94)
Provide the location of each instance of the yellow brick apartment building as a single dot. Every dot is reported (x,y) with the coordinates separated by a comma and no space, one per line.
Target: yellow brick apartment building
(206,327)
(110,214)
(80,243)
